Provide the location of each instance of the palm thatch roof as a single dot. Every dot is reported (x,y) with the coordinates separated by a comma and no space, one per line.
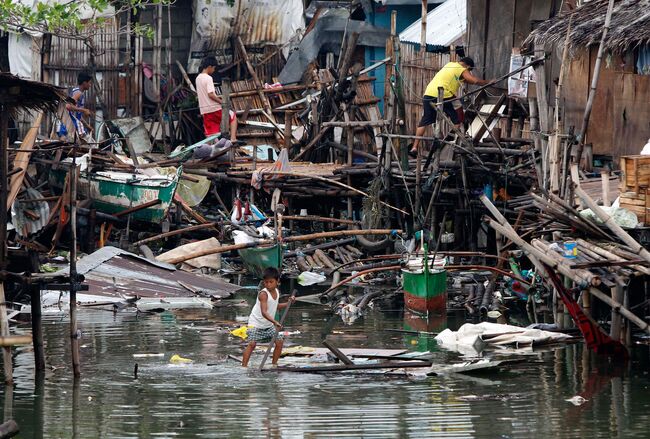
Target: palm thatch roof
(629,28)
(21,94)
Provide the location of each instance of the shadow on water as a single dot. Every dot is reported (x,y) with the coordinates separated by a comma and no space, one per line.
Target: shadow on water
(525,399)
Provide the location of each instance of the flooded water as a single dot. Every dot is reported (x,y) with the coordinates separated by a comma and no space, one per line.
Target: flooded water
(214,397)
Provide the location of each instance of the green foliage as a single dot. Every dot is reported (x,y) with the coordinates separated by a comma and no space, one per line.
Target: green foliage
(63,18)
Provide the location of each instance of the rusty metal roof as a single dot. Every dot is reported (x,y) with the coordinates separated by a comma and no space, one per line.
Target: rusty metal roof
(112,272)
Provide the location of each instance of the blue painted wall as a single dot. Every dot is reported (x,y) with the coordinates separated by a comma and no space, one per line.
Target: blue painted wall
(380,17)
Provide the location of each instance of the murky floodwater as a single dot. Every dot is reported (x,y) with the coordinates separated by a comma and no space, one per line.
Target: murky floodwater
(214,397)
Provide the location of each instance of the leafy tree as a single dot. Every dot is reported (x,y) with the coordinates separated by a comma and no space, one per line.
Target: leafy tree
(64,18)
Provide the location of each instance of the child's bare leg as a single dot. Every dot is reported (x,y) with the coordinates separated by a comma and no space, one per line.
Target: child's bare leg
(277,351)
(247,353)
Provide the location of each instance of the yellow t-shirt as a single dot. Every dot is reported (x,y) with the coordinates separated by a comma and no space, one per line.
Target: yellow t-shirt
(449,78)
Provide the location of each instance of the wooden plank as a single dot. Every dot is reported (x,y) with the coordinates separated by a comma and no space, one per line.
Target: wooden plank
(346,367)
(22,160)
(337,353)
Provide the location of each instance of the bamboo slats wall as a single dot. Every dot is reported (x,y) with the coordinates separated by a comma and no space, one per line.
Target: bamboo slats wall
(65,58)
(253,103)
(417,70)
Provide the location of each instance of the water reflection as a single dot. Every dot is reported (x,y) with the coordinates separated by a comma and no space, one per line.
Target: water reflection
(523,400)
(422,330)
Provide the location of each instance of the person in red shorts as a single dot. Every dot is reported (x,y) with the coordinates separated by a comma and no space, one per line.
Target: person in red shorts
(210,103)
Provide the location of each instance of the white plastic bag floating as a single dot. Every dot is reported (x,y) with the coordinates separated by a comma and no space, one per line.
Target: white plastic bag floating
(307,278)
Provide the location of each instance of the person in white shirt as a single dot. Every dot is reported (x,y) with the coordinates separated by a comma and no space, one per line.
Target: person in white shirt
(263,326)
(210,103)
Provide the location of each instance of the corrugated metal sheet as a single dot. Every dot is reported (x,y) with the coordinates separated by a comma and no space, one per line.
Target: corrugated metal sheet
(445,25)
(115,273)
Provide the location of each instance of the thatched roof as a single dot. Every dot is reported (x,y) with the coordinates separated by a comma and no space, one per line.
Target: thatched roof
(21,94)
(629,28)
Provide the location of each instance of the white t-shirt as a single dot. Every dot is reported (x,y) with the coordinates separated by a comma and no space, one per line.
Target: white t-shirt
(256,319)
(205,85)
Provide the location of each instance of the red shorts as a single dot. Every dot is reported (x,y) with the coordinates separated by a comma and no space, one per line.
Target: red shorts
(212,122)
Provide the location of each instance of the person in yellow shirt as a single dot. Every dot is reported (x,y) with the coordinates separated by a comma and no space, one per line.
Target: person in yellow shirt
(450,78)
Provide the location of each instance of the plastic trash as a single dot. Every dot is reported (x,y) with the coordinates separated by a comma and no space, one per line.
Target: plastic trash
(160,355)
(241,332)
(621,216)
(177,359)
(577,400)
(307,278)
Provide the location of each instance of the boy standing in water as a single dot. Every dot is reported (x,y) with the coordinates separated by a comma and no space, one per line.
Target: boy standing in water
(262,317)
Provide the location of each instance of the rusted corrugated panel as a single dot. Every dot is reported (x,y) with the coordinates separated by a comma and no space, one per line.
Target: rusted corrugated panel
(113,272)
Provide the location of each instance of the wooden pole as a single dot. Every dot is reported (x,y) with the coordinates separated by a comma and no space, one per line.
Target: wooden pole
(4,188)
(37,327)
(350,150)
(74,338)
(604,175)
(288,116)
(225,109)
(423,30)
(542,107)
(558,95)
(594,84)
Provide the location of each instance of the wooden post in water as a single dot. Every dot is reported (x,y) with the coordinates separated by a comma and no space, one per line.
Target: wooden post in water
(74,337)
(37,325)
(4,188)
(350,144)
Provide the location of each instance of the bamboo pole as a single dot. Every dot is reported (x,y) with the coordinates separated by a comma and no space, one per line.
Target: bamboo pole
(319,219)
(604,175)
(558,92)
(620,308)
(636,248)
(338,233)
(545,257)
(4,187)
(594,84)
(423,30)
(176,232)
(604,253)
(74,337)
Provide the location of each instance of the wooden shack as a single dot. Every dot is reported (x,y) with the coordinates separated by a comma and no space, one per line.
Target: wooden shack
(620,120)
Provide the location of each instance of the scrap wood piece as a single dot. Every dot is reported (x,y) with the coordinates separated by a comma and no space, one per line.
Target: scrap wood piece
(346,367)
(22,160)
(337,353)
(191,212)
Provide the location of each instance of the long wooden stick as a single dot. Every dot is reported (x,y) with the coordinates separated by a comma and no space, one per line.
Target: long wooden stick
(176,232)
(275,336)
(222,249)
(594,84)
(340,233)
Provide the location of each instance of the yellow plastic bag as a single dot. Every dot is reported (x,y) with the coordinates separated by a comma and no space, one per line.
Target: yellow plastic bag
(177,359)
(241,332)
